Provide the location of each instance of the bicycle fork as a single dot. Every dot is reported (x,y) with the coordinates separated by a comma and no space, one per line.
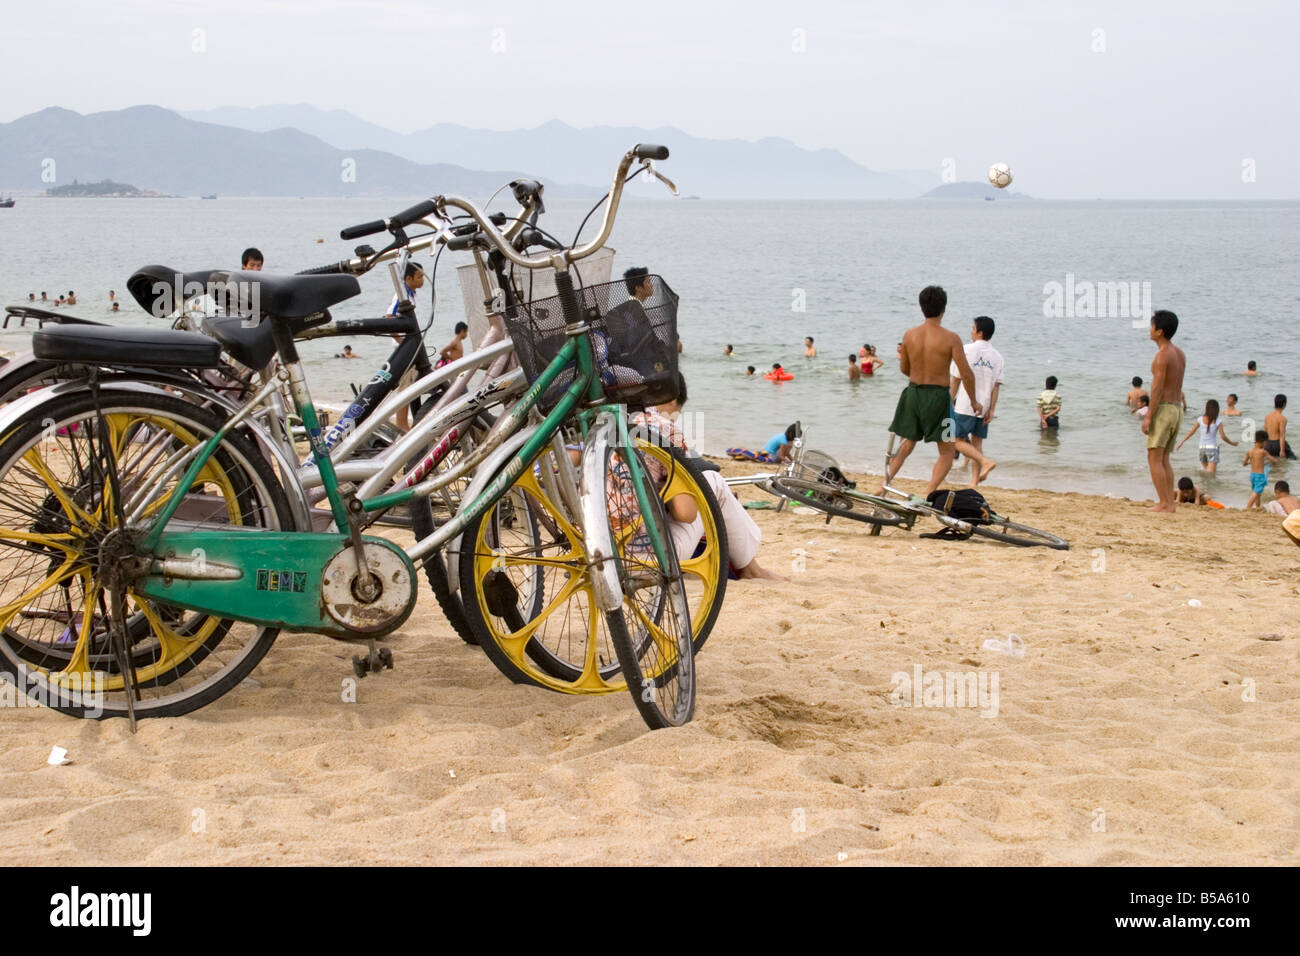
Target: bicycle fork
(602,558)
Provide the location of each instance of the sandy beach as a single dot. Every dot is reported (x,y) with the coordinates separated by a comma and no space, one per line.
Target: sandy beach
(1137,729)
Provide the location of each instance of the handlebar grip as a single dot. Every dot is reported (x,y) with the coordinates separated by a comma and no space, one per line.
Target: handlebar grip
(531,237)
(415,213)
(334,268)
(364,229)
(461,243)
(650,151)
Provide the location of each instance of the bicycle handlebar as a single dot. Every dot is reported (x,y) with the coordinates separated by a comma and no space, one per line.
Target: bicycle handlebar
(530,202)
(562,257)
(392,223)
(365,229)
(334,268)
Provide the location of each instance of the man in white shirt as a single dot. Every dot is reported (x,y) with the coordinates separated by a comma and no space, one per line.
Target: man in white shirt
(970,429)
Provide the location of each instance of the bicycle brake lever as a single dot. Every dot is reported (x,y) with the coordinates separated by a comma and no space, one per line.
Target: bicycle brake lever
(649,167)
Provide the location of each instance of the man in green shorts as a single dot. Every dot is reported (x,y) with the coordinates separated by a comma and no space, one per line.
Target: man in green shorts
(1162,423)
(924,411)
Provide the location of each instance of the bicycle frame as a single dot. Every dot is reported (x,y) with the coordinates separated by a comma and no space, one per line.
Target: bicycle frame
(601,424)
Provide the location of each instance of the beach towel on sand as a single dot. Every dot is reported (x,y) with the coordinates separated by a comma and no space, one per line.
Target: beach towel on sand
(744,454)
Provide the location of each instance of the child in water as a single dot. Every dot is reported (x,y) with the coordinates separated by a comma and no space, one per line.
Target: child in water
(1260,461)
(1211,428)
(1049,405)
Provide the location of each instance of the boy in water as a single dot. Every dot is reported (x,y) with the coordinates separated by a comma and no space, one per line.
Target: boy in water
(1135,393)
(1232,408)
(749,371)
(1166,416)
(1283,503)
(924,411)
(455,349)
(1143,407)
(1260,460)
(1251,370)
(855,373)
(1049,405)
(809,350)
(1275,425)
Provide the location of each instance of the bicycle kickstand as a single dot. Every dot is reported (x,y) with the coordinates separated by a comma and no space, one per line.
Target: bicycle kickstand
(377,659)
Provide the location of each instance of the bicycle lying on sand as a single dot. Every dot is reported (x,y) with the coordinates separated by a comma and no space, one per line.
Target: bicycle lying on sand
(814,479)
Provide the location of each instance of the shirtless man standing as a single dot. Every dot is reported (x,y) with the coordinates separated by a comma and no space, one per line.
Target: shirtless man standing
(924,411)
(1166,417)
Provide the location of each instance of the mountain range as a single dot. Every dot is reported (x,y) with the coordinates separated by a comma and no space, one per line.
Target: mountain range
(305,151)
(770,168)
(155,148)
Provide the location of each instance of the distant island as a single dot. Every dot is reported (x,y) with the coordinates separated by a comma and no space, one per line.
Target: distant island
(971,190)
(107,189)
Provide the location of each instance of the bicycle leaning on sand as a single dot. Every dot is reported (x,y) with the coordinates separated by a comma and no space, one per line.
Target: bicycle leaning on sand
(129,496)
(814,479)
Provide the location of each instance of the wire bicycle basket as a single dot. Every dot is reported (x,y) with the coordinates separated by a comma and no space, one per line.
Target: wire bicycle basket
(634,341)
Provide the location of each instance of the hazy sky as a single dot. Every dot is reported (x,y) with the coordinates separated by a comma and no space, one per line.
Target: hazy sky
(1139,99)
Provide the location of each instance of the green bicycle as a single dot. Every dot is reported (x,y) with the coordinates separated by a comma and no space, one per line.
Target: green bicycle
(128,512)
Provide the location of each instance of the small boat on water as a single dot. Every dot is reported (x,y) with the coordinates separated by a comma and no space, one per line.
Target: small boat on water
(213,196)
(7,202)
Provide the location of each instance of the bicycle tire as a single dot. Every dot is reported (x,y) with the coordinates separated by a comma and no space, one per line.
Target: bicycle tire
(658,657)
(505,563)
(17,382)
(188,666)
(838,502)
(422,522)
(715,530)
(705,570)
(1021,535)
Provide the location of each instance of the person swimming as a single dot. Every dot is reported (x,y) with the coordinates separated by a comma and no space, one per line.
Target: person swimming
(778,374)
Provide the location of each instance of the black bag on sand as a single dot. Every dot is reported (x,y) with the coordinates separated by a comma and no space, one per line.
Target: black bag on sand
(833,476)
(965,504)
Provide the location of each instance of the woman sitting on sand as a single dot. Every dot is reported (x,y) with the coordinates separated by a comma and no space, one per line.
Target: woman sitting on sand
(686,527)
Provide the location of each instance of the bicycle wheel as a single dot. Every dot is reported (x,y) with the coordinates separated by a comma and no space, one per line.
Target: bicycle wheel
(517,559)
(17,380)
(427,513)
(59,531)
(840,502)
(527,593)
(705,567)
(651,632)
(1001,529)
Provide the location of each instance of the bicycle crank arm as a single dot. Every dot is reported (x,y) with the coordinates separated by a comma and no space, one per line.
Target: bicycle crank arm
(295,581)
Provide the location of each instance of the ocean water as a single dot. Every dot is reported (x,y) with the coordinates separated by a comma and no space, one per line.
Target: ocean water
(762,275)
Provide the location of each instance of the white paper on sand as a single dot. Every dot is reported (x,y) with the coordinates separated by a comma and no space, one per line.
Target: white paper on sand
(58,757)
(1013,645)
